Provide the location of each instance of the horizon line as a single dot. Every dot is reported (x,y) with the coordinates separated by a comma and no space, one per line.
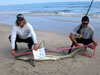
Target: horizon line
(46,2)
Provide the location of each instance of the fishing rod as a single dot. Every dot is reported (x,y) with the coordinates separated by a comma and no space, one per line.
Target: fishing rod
(89,7)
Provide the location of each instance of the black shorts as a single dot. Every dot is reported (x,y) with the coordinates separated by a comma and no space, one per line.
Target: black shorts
(84,41)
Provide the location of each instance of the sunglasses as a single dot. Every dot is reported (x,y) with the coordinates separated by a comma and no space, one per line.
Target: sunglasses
(85,23)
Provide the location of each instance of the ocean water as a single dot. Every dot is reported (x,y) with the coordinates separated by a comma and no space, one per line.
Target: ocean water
(56,8)
(59,17)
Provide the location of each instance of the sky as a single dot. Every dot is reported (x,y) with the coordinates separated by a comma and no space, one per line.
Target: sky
(14,2)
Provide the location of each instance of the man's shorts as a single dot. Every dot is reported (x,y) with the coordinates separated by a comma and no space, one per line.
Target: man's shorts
(84,41)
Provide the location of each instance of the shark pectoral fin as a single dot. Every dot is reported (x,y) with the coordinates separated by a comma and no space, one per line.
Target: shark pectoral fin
(31,61)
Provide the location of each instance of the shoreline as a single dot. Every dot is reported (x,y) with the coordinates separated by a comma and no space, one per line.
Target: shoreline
(61,32)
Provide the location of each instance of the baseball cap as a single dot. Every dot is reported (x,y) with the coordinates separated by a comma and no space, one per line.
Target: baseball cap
(20,17)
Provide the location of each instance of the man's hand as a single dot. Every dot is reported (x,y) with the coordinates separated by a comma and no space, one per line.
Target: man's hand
(13,52)
(35,47)
(76,44)
(95,43)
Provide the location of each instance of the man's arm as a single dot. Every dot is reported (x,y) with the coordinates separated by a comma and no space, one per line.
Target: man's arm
(72,37)
(13,38)
(33,37)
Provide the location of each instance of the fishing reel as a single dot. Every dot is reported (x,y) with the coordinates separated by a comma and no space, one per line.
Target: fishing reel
(78,36)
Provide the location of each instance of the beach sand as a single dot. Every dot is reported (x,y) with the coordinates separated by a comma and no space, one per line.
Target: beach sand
(76,65)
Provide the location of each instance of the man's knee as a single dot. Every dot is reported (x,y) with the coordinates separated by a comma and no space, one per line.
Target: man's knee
(30,40)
